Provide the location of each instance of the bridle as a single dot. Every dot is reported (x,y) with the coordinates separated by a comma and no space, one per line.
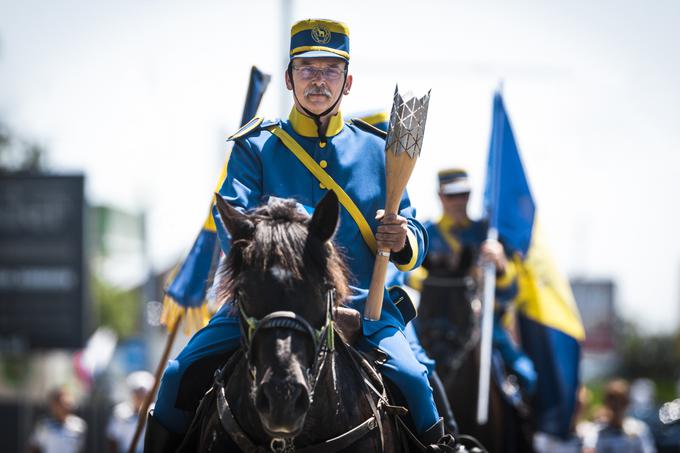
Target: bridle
(323,339)
(324,345)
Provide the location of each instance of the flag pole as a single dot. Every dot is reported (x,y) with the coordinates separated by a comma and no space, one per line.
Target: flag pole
(490,271)
(143,410)
(487,334)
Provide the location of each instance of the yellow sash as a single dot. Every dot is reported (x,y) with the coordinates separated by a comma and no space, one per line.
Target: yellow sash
(325,179)
(444,226)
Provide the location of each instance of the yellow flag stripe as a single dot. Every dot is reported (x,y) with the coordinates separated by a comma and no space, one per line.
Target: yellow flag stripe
(545,295)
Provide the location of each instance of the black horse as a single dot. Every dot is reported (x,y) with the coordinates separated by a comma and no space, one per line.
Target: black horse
(294,384)
(449,329)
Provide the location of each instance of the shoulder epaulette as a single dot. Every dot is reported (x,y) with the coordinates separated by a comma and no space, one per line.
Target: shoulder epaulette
(269,123)
(363,125)
(247,128)
(255,124)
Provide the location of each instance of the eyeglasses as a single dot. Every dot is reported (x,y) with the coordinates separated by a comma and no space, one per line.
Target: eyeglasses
(310,72)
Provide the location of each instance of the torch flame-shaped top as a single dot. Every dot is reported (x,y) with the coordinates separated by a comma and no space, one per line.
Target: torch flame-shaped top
(407,123)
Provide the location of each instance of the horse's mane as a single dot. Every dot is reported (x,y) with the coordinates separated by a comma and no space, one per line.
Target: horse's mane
(281,239)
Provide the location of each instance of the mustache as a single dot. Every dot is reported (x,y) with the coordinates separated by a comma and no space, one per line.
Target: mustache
(318,90)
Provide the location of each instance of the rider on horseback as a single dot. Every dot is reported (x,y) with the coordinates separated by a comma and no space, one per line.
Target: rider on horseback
(457,244)
(269,159)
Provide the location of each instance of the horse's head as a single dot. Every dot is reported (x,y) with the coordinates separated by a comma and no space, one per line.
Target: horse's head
(282,274)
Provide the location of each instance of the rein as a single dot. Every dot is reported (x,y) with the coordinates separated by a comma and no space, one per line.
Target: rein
(457,358)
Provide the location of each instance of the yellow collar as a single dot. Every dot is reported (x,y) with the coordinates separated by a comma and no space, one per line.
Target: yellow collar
(446,223)
(306,126)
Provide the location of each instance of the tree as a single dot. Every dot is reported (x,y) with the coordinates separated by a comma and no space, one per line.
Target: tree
(18,154)
(117,308)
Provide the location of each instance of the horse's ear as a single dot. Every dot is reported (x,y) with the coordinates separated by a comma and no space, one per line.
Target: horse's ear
(237,224)
(325,218)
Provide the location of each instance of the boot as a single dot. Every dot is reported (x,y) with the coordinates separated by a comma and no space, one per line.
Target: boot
(158,439)
(441,400)
(435,439)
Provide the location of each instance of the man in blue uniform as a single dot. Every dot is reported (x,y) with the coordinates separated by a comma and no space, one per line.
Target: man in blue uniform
(285,159)
(457,245)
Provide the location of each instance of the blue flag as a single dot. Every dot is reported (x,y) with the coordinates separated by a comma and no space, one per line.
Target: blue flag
(256,88)
(549,324)
(508,203)
(187,288)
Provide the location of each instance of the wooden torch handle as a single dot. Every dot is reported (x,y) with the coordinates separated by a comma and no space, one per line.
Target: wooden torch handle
(373,307)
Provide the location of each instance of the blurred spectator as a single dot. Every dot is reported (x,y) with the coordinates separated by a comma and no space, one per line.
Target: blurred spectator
(668,436)
(544,442)
(61,431)
(613,431)
(583,425)
(123,422)
(643,406)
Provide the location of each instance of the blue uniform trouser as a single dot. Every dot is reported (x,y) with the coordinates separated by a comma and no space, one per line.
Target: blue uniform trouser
(513,357)
(417,348)
(222,334)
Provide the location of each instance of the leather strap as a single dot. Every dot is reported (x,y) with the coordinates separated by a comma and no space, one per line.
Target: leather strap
(325,179)
(232,427)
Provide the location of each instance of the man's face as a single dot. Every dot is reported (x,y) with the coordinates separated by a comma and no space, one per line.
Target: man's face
(61,406)
(455,205)
(318,82)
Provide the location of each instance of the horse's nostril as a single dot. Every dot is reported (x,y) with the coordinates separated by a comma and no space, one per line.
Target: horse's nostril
(302,402)
(262,401)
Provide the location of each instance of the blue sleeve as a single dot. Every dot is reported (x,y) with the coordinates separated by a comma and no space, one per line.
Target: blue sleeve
(242,185)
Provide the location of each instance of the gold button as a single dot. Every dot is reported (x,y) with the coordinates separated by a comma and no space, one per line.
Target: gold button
(323,164)
(322,144)
(322,187)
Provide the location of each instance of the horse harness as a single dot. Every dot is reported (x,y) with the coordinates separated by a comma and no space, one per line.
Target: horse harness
(323,339)
(324,343)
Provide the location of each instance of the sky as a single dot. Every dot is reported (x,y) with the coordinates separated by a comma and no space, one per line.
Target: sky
(140,96)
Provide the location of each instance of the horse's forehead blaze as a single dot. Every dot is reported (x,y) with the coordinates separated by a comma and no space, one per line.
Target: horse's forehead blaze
(283,346)
(280,275)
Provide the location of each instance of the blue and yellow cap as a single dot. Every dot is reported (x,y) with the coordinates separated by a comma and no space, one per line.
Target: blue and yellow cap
(453,181)
(316,38)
